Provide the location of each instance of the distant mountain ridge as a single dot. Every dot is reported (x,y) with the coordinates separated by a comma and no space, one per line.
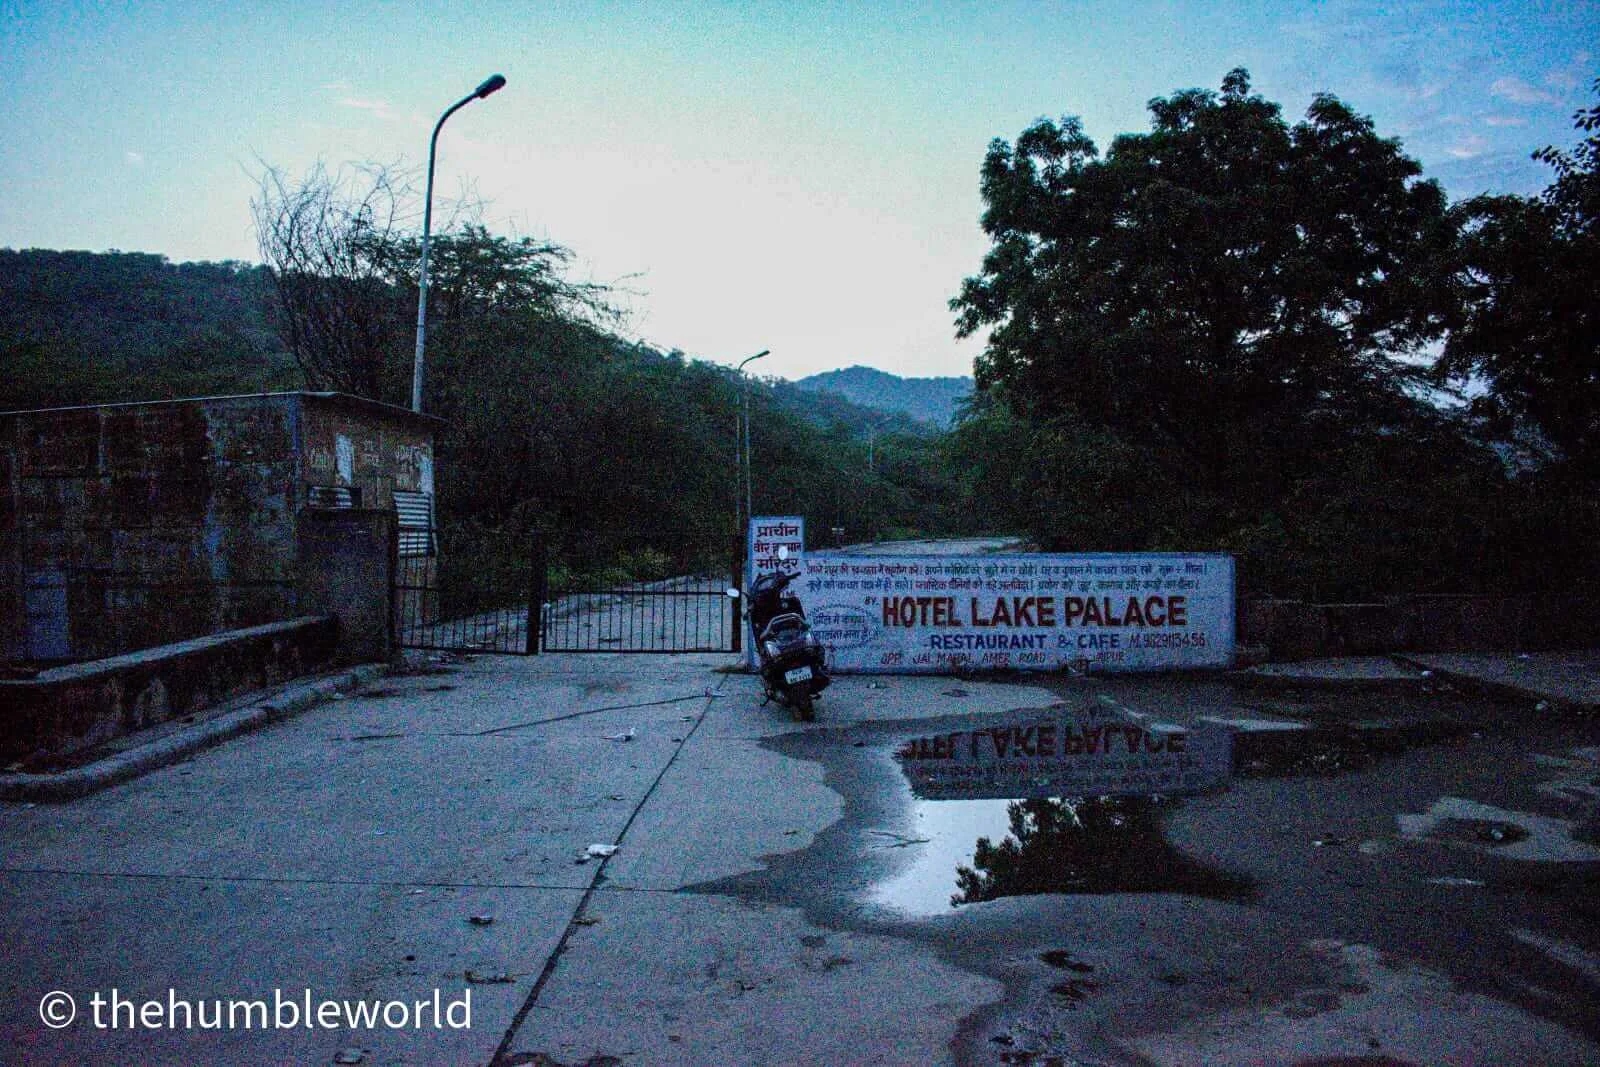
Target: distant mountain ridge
(930,400)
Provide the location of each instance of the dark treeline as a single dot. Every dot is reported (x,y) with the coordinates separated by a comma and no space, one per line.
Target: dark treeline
(1235,333)
(88,328)
(552,421)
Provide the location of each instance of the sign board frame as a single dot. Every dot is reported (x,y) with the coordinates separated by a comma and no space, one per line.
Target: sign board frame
(1099,611)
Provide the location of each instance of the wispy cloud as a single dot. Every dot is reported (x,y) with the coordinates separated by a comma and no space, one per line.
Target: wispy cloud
(379,108)
(1491,172)
(1470,147)
(1520,92)
(1504,120)
(133,159)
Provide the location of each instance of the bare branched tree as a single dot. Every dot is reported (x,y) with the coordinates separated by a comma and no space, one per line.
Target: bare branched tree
(331,241)
(343,251)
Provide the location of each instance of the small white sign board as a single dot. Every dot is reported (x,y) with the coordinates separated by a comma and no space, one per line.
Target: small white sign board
(776,543)
(769,534)
(1065,751)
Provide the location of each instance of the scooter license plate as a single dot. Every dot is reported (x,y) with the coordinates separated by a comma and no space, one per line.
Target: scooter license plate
(799,674)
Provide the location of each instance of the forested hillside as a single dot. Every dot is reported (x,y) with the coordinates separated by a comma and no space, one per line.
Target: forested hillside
(553,420)
(84,327)
(932,401)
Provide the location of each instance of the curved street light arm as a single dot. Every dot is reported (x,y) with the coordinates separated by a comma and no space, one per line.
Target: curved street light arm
(490,85)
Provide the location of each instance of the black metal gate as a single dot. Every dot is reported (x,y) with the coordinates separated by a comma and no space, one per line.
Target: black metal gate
(643,591)
(474,592)
(604,591)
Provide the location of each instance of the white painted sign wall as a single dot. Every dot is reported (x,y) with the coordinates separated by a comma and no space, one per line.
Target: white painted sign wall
(1098,611)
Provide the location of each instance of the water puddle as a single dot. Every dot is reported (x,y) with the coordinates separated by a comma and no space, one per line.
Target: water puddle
(1517,835)
(943,837)
(973,850)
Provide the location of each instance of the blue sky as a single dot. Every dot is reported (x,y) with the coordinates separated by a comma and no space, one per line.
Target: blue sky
(799,177)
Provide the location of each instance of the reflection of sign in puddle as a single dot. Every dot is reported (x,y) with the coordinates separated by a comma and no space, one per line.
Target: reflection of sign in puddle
(1096,750)
(1006,814)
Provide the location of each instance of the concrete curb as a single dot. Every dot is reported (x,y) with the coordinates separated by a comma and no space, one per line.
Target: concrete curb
(267,707)
(1280,677)
(1498,689)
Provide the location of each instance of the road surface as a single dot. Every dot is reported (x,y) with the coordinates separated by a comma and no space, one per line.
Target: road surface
(777,895)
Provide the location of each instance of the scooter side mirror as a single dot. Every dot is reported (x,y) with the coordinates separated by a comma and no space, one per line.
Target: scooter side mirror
(733,594)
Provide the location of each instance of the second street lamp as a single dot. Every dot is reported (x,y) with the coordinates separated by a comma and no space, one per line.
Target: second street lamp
(746,422)
(491,84)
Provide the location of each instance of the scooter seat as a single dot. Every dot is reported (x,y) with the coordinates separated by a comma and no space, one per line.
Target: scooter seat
(778,623)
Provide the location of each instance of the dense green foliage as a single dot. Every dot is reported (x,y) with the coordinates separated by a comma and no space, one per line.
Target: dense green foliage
(551,421)
(1217,337)
(1528,320)
(81,327)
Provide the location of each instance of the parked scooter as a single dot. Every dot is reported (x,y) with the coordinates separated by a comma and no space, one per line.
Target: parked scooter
(793,667)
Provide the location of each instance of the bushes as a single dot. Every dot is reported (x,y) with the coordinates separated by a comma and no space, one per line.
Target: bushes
(1410,505)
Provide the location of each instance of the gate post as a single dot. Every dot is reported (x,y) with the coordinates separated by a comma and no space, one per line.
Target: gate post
(738,583)
(538,589)
(346,570)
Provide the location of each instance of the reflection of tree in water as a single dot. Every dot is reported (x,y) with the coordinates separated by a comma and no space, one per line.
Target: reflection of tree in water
(1096,845)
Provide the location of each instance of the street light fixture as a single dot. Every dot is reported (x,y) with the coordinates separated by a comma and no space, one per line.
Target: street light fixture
(746,422)
(492,84)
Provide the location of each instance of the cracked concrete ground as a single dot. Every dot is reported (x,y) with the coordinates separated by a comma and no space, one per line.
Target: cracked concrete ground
(742,918)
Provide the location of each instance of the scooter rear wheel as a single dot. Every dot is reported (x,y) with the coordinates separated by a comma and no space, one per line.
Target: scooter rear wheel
(804,709)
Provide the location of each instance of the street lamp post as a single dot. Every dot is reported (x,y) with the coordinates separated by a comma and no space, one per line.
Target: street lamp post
(746,423)
(492,84)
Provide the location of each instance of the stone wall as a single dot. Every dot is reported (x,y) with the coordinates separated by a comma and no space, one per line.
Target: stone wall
(128,526)
(65,710)
(347,570)
(346,442)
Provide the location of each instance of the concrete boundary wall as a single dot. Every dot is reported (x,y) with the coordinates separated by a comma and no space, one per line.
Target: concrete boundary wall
(65,710)
(1297,629)
(347,569)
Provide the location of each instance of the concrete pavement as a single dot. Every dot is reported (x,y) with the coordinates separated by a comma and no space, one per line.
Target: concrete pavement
(343,851)
(755,910)
(347,850)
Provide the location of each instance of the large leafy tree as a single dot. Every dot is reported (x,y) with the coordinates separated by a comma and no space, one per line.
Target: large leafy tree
(1223,292)
(1530,304)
